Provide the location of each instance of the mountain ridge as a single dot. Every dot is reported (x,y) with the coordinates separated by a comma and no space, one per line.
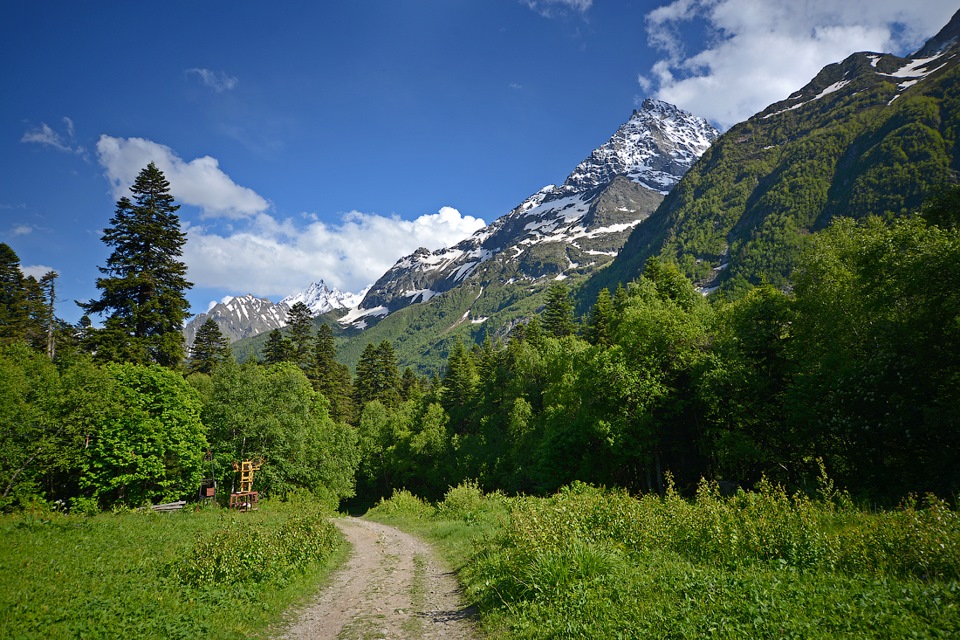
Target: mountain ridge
(641,161)
(869,135)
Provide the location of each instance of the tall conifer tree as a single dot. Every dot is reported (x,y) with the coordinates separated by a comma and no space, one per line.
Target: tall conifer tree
(210,348)
(330,377)
(144,283)
(277,349)
(300,321)
(558,314)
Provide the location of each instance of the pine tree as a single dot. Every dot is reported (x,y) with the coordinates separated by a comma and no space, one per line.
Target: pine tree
(144,281)
(558,313)
(300,321)
(277,349)
(210,348)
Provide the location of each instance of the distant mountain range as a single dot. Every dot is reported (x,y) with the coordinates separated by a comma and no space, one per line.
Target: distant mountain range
(246,316)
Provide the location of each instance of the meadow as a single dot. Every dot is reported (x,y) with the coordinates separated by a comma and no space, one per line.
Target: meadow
(595,563)
(208,573)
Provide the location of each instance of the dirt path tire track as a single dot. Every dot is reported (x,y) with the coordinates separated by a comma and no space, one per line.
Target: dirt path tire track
(392,586)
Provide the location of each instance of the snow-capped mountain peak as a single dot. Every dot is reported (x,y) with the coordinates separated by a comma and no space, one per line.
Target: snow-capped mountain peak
(654,148)
(320,298)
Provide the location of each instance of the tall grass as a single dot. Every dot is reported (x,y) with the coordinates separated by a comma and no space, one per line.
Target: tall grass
(211,573)
(596,563)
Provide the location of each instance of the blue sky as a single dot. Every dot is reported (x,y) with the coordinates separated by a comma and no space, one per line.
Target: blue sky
(327,140)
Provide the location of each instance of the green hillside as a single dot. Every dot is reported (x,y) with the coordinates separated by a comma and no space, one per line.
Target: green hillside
(740,214)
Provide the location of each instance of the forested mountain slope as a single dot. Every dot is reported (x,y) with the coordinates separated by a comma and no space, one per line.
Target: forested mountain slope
(872,135)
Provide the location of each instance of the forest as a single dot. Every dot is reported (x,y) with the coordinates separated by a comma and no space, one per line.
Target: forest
(853,368)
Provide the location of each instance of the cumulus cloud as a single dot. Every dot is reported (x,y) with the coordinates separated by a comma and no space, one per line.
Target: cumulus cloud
(199,182)
(35,270)
(757,52)
(21,230)
(274,257)
(553,8)
(45,135)
(216,80)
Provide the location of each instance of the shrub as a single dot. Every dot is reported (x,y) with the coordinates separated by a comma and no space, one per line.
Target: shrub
(243,552)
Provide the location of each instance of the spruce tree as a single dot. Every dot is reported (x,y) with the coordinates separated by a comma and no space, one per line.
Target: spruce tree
(277,349)
(14,315)
(378,377)
(599,330)
(558,314)
(210,348)
(330,377)
(144,280)
(300,321)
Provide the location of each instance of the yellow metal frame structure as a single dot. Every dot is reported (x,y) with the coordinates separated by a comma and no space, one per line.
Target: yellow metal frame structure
(246,499)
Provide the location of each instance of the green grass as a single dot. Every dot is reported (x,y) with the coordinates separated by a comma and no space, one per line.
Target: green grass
(210,573)
(593,563)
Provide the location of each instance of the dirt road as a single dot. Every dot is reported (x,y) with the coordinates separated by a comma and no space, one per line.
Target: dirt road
(391,587)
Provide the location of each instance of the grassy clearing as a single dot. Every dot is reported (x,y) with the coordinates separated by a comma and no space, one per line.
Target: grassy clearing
(210,573)
(592,563)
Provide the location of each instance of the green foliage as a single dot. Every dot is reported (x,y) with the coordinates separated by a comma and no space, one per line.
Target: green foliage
(123,574)
(26,305)
(300,323)
(877,348)
(404,504)
(594,563)
(330,377)
(277,349)
(558,312)
(245,552)
(144,284)
(273,413)
(378,377)
(150,447)
(32,436)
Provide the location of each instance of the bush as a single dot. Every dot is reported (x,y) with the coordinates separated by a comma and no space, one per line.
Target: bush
(404,503)
(245,552)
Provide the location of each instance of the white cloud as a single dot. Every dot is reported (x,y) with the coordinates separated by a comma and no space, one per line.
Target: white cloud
(35,270)
(276,257)
(552,8)
(216,80)
(199,183)
(45,135)
(757,52)
(21,230)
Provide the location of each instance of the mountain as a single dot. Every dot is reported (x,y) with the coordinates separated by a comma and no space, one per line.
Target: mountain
(247,316)
(874,134)
(559,231)
(240,317)
(320,298)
